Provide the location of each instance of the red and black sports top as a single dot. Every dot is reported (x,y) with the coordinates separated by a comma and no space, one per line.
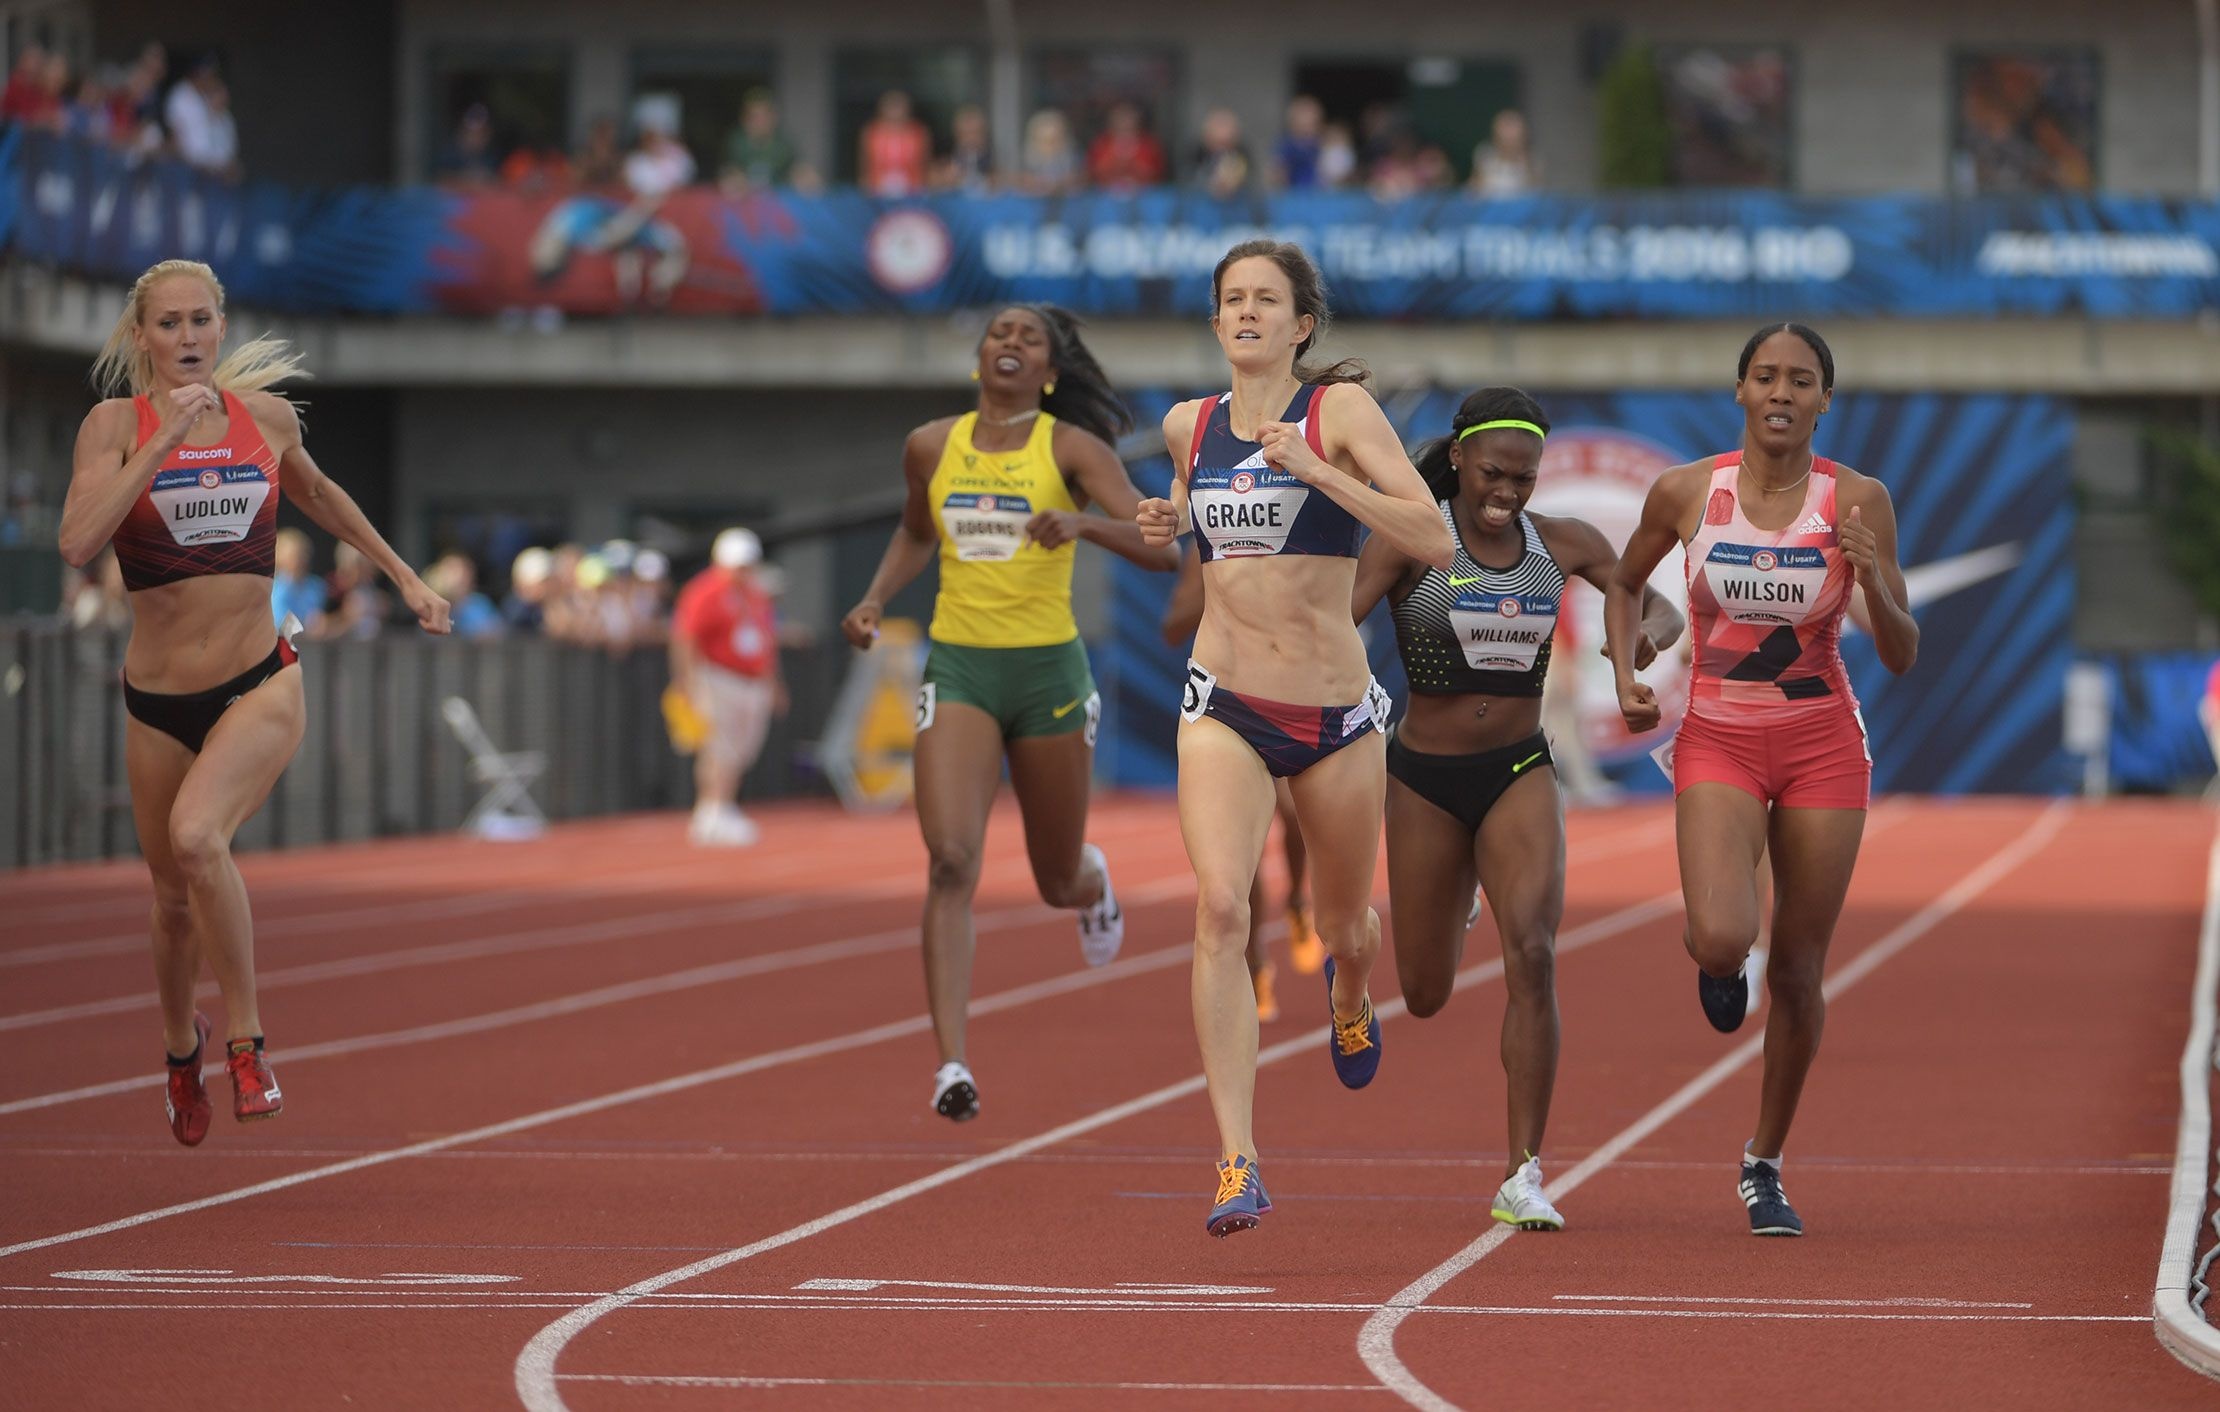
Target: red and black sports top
(206,509)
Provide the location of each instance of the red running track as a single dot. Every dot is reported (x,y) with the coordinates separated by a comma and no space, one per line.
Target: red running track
(603,1122)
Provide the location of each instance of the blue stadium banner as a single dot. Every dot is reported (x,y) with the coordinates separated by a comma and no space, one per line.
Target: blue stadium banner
(1983,492)
(1449,257)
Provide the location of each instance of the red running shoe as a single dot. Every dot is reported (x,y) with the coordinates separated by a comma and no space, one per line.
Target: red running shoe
(254,1088)
(187,1100)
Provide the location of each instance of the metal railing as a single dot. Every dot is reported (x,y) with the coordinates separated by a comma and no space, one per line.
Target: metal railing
(377,758)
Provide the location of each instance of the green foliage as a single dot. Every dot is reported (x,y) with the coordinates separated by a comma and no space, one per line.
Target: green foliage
(1633,142)
(2189,510)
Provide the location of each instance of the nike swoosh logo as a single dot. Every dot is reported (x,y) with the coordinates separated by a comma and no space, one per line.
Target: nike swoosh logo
(1925,583)
(1066,709)
(1528,761)
(1455,582)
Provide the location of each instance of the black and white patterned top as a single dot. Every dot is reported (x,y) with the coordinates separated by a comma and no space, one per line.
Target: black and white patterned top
(1470,629)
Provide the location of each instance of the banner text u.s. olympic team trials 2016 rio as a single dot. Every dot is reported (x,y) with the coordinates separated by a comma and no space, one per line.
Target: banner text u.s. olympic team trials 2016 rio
(1445,257)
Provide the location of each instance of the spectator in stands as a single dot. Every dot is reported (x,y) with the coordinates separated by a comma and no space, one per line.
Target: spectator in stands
(893,150)
(601,158)
(1504,165)
(356,606)
(659,164)
(758,153)
(536,168)
(294,591)
(135,115)
(969,165)
(651,595)
(1337,157)
(1221,163)
(468,159)
(724,656)
(1050,165)
(87,115)
(1295,161)
(198,116)
(455,578)
(530,579)
(27,99)
(1125,155)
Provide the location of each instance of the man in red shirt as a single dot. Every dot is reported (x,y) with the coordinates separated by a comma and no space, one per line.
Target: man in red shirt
(725,657)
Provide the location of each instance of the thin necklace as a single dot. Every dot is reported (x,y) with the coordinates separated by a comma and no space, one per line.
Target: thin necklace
(1009,421)
(1765,489)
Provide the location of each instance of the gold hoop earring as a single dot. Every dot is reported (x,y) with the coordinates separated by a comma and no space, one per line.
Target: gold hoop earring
(1049,390)
(974,374)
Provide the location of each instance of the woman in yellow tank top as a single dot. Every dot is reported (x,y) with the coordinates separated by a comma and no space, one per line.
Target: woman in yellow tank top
(1000,495)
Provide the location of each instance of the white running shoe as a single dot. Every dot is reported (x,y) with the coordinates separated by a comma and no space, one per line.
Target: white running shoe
(1753,969)
(1102,926)
(1519,1201)
(955,1095)
(1474,915)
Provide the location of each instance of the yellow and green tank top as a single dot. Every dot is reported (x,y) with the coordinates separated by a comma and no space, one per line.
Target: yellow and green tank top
(997,588)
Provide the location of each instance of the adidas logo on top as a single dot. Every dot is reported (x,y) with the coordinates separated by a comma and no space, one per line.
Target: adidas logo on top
(1815,523)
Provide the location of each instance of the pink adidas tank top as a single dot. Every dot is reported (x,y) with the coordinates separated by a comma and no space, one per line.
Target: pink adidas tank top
(1765,607)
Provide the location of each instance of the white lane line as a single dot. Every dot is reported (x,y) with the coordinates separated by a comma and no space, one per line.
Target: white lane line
(535,1365)
(1376,1341)
(681,1380)
(1125,1287)
(1905,1301)
(532,939)
(2182,1329)
(1142,964)
(612,886)
(733,1304)
(874,943)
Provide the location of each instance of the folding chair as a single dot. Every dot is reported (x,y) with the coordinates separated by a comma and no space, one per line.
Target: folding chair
(507,811)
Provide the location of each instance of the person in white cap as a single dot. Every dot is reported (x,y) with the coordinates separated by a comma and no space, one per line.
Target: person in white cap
(724,656)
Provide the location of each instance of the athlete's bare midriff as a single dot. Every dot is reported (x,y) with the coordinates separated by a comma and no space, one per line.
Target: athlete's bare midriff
(198,633)
(1279,628)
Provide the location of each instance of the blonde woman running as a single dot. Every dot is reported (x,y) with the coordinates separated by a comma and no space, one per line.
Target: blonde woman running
(181,467)
(1276,476)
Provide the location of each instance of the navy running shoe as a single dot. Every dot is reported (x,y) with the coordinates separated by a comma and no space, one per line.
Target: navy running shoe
(1241,1198)
(1726,998)
(1354,1044)
(1770,1213)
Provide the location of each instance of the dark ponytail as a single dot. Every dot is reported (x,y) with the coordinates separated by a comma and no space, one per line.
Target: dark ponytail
(1083,395)
(1489,404)
(1309,289)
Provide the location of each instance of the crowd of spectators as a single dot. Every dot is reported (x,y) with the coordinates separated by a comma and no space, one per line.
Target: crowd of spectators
(139,107)
(615,596)
(898,153)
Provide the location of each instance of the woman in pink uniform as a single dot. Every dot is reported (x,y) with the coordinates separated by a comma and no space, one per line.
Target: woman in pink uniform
(181,468)
(1773,748)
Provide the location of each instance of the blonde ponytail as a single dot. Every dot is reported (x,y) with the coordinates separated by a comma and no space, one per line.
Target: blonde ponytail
(122,370)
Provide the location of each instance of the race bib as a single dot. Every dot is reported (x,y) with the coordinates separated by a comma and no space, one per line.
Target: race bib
(1765,587)
(1195,698)
(209,504)
(928,704)
(1251,514)
(985,527)
(1502,632)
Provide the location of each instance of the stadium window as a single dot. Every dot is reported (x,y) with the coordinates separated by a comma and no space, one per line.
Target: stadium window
(523,88)
(1087,83)
(710,84)
(1727,110)
(1424,102)
(2025,120)
(939,79)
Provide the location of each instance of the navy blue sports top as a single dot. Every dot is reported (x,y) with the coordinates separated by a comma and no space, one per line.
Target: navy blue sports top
(1244,509)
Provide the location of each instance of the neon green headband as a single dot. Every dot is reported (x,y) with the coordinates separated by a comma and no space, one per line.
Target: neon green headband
(1505,422)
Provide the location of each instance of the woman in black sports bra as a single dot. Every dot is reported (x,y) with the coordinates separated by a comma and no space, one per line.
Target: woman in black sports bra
(182,469)
(1471,789)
